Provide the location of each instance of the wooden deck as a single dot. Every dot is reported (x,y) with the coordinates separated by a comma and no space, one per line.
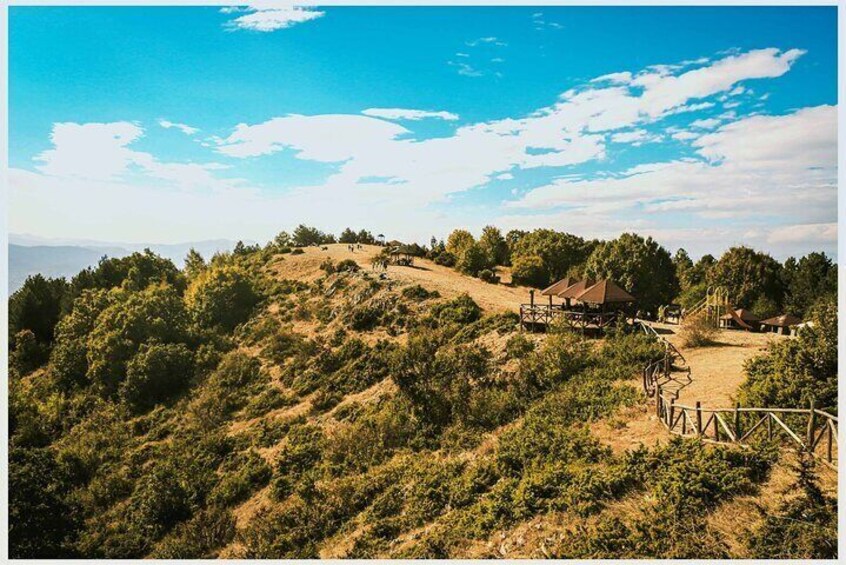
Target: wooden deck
(539,317)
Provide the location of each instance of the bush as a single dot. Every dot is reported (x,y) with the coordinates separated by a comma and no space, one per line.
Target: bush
(489,276)
(198,538)
(222,297)
(518,346)
(698,332)
(156,373)
(347,265)
(418,293)
(460,310)
(445,259)
(297,251)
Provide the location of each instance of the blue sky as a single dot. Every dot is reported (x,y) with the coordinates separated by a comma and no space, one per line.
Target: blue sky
(705,127)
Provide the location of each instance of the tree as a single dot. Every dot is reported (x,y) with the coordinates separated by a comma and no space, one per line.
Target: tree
(36,306)
(305,235)
(69,358)
(792,371)
(472,260)
(639,265)
(813,277)
(458,241)
(156,313)
(136,271)
(493,245)
(222,297)
(683,265)
(558,252)
(348,236)
(365,238)
(529,270)
(748,275)
(42,524)
(194,263)
(155,373)
(283,239)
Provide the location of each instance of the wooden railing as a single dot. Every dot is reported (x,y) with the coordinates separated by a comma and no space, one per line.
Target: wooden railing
(545,314)
(812,430)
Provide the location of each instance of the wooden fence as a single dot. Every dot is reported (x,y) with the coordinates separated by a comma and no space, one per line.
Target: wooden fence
(533,316)
(811,430)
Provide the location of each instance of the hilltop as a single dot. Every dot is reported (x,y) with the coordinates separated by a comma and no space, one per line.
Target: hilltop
(302,404)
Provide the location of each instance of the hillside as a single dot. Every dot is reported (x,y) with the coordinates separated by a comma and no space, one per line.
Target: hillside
(361,413)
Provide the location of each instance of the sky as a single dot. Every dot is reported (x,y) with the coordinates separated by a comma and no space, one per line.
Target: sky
(704,127)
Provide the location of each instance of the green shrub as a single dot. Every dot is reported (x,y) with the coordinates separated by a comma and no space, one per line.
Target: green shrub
(297,251)
(518,346)
(222,297)
(198,538)
(460,310)
(348,266)
(418,293)
(156,373)
(243,475)
(489,276)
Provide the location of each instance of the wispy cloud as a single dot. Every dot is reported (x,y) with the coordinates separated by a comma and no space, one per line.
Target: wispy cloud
(269,16)
(184,128)
(540,22)
(408,114)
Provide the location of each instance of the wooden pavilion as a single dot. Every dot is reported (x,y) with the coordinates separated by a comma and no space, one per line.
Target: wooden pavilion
(401,255)
(784,324)
(597,305)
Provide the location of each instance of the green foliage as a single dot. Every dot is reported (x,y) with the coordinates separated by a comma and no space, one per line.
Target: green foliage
(198,538)
(698,332)
(808,280)
(489,276)
(748,276)
(518,346)
(460,310)
(194,264)
(418,293)
(459,241)
(134,272)
(243,475)
(803,526)
(28,354)
(133,318)
(304,236)
(347,265)
(792,371)
(42,522)
(471,260)
(544,256)
(640,266)
(222,297)
(156,373)
(494,246)
(36,306)
(297,251)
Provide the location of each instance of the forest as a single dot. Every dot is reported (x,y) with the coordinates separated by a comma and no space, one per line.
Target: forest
(235,406)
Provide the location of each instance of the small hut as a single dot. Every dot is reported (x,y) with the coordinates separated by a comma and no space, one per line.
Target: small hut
(784,324)
(740,319)
(555,288)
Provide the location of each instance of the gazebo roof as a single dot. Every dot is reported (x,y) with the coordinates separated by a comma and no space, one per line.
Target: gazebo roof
(783,321)
(605,291)
(743,314)
(555,288)
(575,289)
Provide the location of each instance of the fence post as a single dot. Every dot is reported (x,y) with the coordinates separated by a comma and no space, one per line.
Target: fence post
(737,430)
(657,401)
(812,420)
(698,418)
(672,413)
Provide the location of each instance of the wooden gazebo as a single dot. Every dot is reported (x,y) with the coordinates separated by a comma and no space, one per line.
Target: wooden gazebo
(401,255)
(598,306)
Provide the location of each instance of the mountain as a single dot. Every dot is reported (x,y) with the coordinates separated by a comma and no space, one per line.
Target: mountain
(29,255)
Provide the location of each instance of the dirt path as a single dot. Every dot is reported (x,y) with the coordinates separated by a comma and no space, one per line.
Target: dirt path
(717,372)
(445,280)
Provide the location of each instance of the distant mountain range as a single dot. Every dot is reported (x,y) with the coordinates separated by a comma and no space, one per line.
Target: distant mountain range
(29,255)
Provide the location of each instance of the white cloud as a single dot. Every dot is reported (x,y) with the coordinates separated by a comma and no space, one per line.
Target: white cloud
(706,123)
(270,15)
(406,114)
(754,169)
(615,78)
(184,128)
(635,137)
(100,152)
